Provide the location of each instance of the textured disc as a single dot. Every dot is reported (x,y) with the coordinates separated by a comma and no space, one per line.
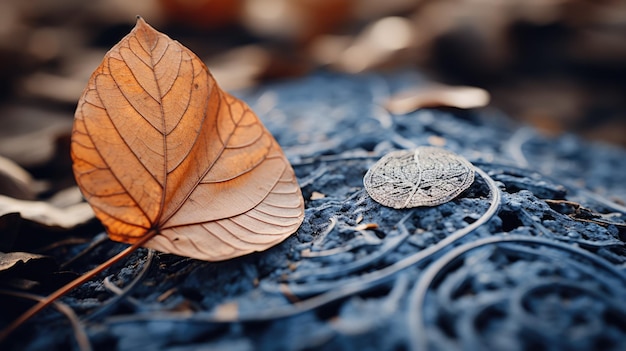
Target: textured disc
(426,176)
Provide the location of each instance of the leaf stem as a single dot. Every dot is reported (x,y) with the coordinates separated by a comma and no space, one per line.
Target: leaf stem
(47,301)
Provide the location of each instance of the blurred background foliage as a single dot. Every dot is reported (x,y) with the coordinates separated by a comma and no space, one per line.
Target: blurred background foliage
(557,64)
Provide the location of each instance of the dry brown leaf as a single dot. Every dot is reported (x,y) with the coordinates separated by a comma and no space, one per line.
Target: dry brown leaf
(15,181)
(437,95)
(377,45)
(161,151)
(28,136)
(46,214)
(12,260)
(52,87)
(169,161)
(317,195)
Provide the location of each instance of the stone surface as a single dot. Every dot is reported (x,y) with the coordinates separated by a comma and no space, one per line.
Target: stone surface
(530,256)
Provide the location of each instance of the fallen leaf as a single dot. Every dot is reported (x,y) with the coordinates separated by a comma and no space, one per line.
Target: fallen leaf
(24,261)
(10,224)
(161,152)
(377,45)
(316,195)
(169,161)
(32,225)
(66,197)
(437,95)
(426,176)
(28,135)
(46,214)
(29,271)
(52,87)
(15,181)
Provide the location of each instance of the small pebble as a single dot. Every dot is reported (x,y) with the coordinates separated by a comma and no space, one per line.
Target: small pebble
(573,235)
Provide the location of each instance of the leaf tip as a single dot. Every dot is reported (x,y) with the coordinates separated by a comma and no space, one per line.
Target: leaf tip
(142,25)
(145,32)
(140,21)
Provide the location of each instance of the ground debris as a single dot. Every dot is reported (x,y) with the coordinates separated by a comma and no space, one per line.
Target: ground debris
(471,271)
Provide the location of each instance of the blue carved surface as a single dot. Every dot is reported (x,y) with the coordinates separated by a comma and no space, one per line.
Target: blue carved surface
(530,257)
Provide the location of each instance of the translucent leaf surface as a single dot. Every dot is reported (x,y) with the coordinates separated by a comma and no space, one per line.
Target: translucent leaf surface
(159,149)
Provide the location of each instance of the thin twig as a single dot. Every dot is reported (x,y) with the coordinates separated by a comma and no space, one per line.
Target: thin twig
(79,332)
(71,285)
(119,292)
(99,239)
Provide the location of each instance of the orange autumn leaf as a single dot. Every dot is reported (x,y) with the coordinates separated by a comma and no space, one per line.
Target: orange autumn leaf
(160,150)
